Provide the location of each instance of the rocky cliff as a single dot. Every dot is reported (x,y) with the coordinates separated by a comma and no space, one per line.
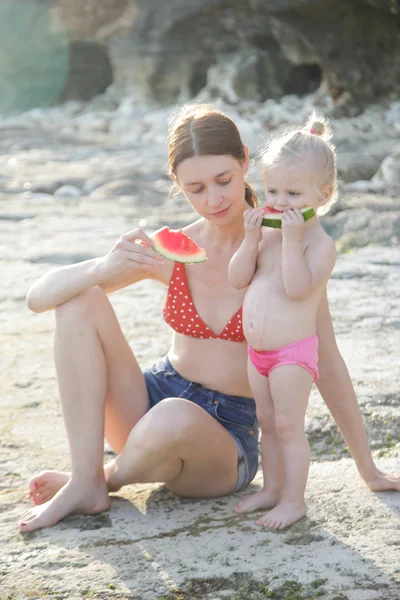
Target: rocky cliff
(168,51)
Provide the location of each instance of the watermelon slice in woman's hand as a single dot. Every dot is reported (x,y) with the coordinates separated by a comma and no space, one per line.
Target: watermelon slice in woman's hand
(273,218)
(177,246)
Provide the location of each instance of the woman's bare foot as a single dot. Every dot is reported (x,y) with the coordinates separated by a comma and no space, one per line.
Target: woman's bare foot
(284,514)
(70,499)
(261,499)
(46,484)
(383,481)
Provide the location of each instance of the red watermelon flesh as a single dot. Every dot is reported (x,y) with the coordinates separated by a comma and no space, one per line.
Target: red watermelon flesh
(177,246)
(269,209)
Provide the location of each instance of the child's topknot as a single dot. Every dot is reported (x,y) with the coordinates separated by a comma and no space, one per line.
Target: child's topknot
(318,126)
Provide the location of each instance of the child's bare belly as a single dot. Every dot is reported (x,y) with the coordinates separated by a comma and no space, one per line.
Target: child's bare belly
(270,319)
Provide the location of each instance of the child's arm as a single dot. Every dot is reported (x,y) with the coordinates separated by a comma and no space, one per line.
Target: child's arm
(304,273)
(242,265)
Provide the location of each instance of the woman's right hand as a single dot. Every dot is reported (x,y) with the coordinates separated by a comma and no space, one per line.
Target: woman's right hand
(133,253)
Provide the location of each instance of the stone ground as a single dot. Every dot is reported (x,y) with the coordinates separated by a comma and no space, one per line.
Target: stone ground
(152,545)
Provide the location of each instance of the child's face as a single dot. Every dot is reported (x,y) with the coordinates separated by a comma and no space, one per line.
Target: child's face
(293,186)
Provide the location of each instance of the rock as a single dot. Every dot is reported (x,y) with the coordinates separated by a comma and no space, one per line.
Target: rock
(393,115)
(363,226)
(68,191)
(388,173)
(171,51)
(363,185)
(116,188)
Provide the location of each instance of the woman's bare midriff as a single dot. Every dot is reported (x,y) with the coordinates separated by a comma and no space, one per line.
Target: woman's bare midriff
(215,364)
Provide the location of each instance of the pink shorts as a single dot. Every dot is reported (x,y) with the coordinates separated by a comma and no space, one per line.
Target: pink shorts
(303,353)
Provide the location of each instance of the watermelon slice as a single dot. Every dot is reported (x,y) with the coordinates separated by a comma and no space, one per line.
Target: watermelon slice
(273,218)
(177,246)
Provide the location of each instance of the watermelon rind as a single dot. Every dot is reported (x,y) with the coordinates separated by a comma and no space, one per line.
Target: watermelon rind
(275,220)
(160,240)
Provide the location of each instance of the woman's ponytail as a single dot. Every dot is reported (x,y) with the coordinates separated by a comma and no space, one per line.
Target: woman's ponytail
(250,196)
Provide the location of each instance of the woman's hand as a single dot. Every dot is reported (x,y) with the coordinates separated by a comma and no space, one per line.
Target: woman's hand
(133,253)
(380,481)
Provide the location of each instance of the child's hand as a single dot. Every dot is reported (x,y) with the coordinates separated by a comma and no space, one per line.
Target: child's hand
(252,222)
(293,224)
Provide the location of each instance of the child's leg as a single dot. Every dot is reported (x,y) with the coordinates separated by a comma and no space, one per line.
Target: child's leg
(290,388)
(271,455)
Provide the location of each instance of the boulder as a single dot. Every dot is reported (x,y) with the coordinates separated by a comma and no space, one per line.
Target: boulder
(167,52)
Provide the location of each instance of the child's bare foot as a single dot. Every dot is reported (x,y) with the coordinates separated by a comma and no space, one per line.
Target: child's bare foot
(261,499)
(284,514)
(70,499)
(46,484)
(383,481)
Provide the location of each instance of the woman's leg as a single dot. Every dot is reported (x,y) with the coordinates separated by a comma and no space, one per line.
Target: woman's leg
(271,455)
(180,444)
(102,390)
(290,389)
(96,369)
(176,442)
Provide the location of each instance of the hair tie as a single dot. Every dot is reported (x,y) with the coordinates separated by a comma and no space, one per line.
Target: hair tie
(313,131)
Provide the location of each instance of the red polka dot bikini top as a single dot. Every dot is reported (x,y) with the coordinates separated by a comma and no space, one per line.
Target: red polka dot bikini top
(180,313)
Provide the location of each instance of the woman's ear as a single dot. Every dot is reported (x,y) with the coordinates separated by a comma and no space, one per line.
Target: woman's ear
(175,181)
(175,189)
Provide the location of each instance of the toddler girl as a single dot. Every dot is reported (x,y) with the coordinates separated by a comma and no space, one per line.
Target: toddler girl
(286,270)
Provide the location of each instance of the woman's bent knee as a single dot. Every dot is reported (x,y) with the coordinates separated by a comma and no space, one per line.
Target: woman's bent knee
(172,420)
(81,306)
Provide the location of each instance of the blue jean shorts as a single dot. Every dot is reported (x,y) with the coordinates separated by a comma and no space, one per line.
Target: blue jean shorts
(236,413)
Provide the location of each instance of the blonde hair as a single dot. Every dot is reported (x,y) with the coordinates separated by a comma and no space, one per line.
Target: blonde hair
(201,130)
(311,145)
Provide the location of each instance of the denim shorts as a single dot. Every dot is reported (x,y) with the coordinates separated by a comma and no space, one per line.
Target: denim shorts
(236,413)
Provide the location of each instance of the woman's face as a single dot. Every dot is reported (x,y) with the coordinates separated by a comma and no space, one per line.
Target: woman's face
(214,186)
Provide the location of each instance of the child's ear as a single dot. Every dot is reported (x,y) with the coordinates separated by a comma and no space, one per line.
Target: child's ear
(326,191)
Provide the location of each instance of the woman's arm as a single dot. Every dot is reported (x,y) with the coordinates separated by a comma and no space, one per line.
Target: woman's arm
(131,260)
(338,393)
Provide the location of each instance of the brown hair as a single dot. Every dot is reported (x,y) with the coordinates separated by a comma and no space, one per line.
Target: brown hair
(201,130)
(311,144)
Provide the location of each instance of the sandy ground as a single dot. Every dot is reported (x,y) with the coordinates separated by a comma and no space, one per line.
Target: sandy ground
(152,545)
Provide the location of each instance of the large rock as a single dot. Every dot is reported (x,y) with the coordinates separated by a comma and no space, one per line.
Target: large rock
(170,51)
(172,46)
(356,66)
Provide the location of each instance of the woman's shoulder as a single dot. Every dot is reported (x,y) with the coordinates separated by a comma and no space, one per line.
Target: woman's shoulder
(194,229)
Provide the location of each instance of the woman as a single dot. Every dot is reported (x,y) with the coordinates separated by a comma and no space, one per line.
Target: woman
(200,434)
